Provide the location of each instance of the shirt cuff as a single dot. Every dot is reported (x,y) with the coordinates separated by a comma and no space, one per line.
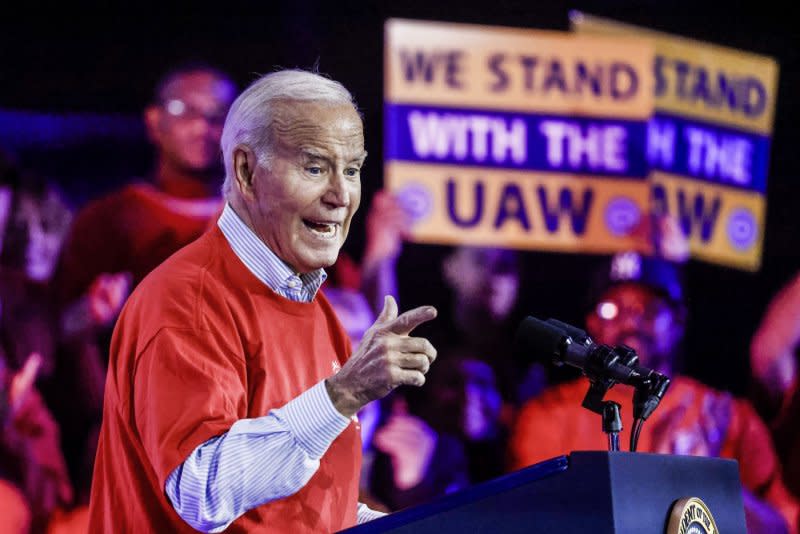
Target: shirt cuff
(313,420)
(365,513)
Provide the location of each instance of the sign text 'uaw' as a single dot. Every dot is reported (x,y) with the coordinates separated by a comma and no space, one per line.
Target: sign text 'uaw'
(518,138)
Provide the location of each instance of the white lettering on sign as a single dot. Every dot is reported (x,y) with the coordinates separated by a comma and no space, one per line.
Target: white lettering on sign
(715,155)
(601,147)
(459,136)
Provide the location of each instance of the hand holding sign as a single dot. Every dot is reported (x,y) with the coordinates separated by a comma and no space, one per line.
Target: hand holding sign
(664,234)
(387,357)
(388,224)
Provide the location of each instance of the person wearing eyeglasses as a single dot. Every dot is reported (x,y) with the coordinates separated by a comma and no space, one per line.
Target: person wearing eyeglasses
(639,302)
(119,238)
(116,239)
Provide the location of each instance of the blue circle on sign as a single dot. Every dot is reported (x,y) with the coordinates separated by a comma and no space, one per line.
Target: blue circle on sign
(622,215)
(742,228)
(416,200)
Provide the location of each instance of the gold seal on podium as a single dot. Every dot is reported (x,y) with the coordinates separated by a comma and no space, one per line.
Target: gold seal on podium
(690,515)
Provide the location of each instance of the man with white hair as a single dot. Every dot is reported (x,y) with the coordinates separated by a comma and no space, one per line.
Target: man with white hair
(232,391)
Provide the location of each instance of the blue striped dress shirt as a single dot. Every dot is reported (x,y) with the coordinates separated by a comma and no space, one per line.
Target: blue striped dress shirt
(264,458)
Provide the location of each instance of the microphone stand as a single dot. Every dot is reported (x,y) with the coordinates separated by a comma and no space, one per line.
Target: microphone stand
(599,384)
(648,391)
(601,363)
(612,424)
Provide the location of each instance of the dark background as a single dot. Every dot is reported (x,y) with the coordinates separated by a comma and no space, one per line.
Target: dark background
(73,84)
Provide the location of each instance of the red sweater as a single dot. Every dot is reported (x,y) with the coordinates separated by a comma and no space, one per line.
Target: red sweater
(200,344)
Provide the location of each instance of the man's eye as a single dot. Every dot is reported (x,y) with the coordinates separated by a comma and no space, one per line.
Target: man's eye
(352,171)
(316,171)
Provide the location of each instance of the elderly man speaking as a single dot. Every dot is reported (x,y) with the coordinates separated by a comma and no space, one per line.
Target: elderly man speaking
(232,391)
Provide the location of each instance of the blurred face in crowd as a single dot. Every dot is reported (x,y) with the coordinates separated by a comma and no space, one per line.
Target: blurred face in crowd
(35,232)
(634,315)
(484,279)
(303,204)
(186,125)
(47,220)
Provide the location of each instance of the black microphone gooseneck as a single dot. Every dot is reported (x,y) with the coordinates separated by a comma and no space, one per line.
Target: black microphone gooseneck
(603,365)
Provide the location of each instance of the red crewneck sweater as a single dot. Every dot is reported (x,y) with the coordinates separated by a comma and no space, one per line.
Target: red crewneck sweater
(200,344)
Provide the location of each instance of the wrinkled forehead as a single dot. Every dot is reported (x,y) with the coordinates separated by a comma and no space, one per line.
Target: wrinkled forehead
(298,124)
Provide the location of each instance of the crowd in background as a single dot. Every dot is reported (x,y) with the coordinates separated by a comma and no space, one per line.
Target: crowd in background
(485,410)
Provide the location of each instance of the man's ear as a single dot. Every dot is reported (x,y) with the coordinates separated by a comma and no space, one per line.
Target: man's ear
(244,167)
(152,116)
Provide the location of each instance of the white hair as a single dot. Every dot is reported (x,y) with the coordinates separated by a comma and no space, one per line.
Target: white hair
(250,118)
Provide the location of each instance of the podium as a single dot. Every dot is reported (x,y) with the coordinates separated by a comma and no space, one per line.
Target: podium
(585,492)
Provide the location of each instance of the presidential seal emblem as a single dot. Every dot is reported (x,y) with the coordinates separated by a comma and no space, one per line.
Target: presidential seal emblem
(690,515)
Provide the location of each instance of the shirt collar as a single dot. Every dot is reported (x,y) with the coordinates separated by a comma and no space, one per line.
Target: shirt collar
(264,264)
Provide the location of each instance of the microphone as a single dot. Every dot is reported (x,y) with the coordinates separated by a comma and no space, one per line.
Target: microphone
(577,335)
(564,344)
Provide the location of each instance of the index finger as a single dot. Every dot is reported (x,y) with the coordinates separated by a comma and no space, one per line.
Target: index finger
(408,321)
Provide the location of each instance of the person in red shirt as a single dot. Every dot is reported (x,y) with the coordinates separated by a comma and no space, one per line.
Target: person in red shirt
(115,240)
(638,302)
(232,391)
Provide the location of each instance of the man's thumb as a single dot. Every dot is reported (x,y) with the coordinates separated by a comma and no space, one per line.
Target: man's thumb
(389,311)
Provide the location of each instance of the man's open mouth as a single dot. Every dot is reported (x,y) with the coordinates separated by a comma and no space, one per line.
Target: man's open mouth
(322,228)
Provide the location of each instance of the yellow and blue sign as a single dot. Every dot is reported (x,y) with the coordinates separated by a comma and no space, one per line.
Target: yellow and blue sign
(708,142)
(518,138)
